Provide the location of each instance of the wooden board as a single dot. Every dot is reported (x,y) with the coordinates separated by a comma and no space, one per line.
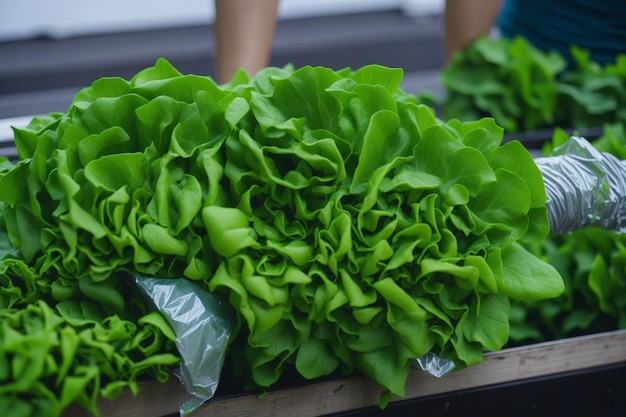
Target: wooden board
(343,394)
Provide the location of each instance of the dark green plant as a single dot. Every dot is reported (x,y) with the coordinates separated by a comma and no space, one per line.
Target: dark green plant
(524,88)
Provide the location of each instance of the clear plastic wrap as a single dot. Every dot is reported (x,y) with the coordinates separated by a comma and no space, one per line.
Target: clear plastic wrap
(585,187)
(202,322)
(434,365)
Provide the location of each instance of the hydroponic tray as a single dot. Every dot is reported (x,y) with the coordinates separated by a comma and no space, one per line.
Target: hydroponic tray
(343,395)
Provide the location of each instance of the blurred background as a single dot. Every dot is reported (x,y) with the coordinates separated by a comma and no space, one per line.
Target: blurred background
(51,49)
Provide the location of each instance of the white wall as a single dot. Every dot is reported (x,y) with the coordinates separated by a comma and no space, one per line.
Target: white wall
(21,19)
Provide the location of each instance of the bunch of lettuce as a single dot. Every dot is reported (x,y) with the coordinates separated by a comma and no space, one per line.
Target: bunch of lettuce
(524,88)
(590,94)
(350,228)
(592,262)
(507,79)
(57,353)
(49,361)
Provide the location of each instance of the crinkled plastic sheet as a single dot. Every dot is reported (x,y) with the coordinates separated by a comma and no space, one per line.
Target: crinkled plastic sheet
(585,187)
(202,322)
(434,365)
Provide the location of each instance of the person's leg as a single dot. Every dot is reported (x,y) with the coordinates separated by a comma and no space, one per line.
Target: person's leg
(466,20)
(244,30)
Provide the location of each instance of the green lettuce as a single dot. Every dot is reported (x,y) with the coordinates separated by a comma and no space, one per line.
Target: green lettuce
(350,228)
(50,361)
(525,88)
(507,79)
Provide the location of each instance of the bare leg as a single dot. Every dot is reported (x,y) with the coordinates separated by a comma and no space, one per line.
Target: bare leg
(466,20)
(244,30)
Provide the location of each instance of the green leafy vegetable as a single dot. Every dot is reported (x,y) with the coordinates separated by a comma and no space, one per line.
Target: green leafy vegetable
(524,88)
(510,80)
(50,361)
(350,228)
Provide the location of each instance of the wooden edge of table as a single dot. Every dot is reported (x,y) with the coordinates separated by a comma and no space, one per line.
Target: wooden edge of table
(332,396)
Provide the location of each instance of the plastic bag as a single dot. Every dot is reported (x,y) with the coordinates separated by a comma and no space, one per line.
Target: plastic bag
(434,365)
(202,322)
(585,187)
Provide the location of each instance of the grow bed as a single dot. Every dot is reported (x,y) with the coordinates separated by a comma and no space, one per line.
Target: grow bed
(583,356)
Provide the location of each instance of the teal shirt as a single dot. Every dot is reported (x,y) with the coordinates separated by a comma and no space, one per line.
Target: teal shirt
(596,25)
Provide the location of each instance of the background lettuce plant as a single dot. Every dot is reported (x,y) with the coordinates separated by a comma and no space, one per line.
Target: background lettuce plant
(350,228)
(524,88)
